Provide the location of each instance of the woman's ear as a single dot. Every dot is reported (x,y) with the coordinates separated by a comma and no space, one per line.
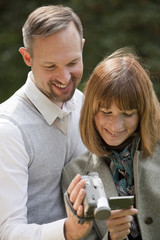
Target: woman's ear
(26,56)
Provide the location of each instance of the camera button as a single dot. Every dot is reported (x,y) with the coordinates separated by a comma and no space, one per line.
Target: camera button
(148,220)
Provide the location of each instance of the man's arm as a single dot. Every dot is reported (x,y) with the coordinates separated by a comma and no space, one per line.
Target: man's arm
(13,191)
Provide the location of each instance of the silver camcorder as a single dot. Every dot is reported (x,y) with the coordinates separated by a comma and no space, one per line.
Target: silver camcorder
(95,202)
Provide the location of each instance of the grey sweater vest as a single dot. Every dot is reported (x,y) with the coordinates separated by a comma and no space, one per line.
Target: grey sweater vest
(48,150)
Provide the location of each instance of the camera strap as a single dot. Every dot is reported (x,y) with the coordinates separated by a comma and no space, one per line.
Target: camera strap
(72,210)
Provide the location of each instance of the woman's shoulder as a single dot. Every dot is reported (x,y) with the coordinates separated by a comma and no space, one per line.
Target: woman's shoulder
(157,149)
(78,164)
(75,166)
(83,164)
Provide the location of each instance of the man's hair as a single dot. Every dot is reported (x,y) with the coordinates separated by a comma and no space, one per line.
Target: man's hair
(47,20)
(122,79)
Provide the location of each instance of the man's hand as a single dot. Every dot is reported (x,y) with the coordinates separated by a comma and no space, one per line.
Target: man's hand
(76,192)
(119,223)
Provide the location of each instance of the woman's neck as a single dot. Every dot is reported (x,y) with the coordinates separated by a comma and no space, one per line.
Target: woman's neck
(120,147)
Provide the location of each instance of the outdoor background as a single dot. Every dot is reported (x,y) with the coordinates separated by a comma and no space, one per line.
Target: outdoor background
(108,25)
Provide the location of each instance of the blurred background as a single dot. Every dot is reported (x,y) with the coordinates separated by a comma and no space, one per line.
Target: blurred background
(108,25)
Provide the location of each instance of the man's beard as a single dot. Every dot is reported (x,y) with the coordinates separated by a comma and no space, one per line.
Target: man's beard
(53,96)
(64,97)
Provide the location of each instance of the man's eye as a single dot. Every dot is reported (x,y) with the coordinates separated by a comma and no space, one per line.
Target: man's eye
(72,64)
(50,67)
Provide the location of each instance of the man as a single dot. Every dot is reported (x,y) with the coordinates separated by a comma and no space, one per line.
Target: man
(39,129)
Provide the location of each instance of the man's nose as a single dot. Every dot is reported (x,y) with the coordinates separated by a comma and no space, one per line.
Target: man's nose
(63,75)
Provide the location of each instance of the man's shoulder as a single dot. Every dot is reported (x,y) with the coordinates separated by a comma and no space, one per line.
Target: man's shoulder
(16,109)
(12,104)
(7,105)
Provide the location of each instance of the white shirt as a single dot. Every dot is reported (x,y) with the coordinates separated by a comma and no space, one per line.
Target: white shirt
(13,213)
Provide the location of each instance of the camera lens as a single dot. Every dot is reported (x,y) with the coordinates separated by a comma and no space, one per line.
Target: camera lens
(102,213)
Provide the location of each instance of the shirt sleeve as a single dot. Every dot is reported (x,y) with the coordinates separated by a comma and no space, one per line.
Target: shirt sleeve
(13,191)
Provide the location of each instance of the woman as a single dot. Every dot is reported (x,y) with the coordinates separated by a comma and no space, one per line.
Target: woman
(120,126)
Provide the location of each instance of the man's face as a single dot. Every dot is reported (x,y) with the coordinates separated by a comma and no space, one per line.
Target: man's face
(57,64)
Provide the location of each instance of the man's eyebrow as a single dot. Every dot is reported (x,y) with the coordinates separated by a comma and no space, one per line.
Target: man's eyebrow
(75,59)
(50,63)
(53,63)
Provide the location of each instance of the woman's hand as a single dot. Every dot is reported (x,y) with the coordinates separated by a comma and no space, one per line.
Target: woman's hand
(76,192)
(119,223)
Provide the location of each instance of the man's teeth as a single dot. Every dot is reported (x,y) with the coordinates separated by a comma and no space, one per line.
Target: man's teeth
(61,85)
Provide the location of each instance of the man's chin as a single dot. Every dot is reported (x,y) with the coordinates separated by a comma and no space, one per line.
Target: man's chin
(61,99)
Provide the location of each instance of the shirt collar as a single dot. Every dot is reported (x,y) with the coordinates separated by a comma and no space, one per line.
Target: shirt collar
(49,110)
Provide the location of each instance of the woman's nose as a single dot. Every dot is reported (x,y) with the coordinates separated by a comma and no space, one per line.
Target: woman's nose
(116,123)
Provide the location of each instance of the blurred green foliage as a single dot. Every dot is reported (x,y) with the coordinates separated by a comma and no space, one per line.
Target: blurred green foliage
(108,25)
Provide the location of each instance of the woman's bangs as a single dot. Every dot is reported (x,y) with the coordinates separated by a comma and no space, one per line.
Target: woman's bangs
(124,99)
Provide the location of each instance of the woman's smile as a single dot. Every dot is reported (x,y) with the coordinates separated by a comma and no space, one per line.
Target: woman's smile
(115,134)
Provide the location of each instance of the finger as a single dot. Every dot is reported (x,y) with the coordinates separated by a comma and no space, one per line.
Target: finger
(80,211)
(118,221)
(79,199)
(75,192)
(121,227)
(123,212)
(74,183)
(119,235)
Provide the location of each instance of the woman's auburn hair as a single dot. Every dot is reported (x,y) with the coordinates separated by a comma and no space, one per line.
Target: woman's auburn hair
(122,79)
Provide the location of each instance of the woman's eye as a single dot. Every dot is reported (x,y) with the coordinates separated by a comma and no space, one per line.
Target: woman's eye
(128,114)
(104,112)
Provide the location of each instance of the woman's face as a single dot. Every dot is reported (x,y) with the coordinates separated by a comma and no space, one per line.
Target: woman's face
(114,125)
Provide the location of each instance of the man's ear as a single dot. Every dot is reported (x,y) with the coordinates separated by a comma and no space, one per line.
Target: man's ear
(26,56)
(83,41)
